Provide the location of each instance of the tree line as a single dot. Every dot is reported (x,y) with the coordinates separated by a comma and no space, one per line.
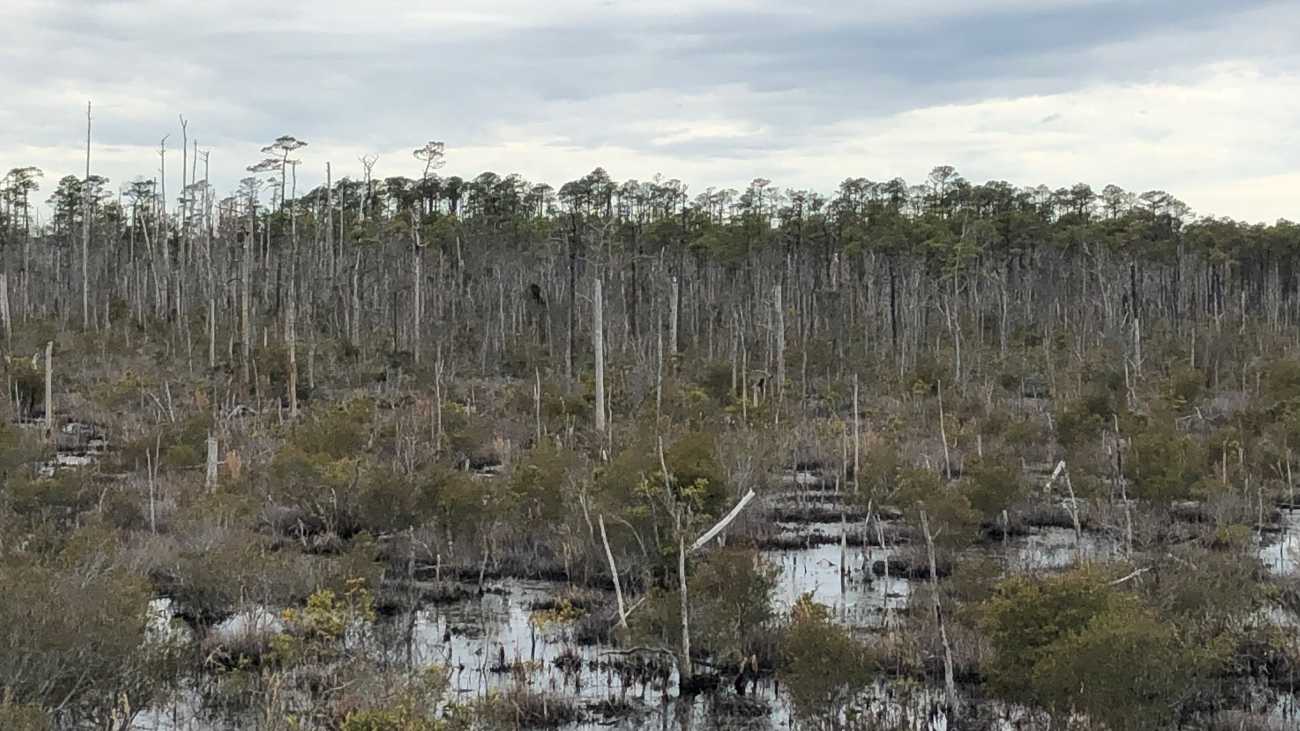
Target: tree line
(495,269)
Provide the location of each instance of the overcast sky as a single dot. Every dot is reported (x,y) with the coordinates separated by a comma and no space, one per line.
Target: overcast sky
(1197,97)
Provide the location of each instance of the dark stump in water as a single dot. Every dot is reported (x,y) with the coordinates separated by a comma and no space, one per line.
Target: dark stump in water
(696,684)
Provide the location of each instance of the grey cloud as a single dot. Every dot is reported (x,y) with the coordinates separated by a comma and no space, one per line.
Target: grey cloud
(602,74)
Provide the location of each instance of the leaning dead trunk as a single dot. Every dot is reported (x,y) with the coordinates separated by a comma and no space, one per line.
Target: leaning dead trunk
(949,682)
(613,571)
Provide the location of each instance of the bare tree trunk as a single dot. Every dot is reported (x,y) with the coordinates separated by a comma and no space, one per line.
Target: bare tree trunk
(4,307)
(674,306)
(857,434)
(182,252)
(598,345)
(210,480)
(85,234)
(573,298)
(943,435)
(659,368)
(780,351)
(246,294)
(1074,516)
(212,277)
(164,239)
(417,276)
(49,391)
(291,325)
(151,468)
(355,334)
(613,571)
(537,403)
(684,672)
(949,682)
(884,547)
(437,402)
(329,238)
(25,274)
(291,308)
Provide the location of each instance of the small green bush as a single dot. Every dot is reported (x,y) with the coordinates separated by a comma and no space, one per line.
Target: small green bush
(823,666)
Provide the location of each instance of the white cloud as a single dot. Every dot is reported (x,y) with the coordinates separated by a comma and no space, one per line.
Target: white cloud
(1201,102)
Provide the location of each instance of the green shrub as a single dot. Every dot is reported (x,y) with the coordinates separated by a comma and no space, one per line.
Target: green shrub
(695,470)
(1281,381)
(1164,464)
(537,484)
(951,517)
(1185,387)
(823,667)
(1127,668)
(181,456)
(993,484)
(730,595)
(339,432)
(1079,422)
(74,636)
(1076,642)
(1026,618)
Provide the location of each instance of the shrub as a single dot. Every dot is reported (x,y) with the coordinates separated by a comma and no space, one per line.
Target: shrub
(1185,387)
(1281,381)
(695,470)
(315,632)
(1077,642)
(993,484)
(75,637)
(537,484)
(730,595)
(338,432)
(1026,617)
(1163,463)
(1078,423)
(822,666)
(1126,668)
(949,511)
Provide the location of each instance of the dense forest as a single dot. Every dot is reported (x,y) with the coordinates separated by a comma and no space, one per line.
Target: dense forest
(422,453)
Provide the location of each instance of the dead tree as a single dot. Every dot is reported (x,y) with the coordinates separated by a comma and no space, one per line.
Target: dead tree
(949,681)
(85,233)
(432,155)
(598,346)
(49,391)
